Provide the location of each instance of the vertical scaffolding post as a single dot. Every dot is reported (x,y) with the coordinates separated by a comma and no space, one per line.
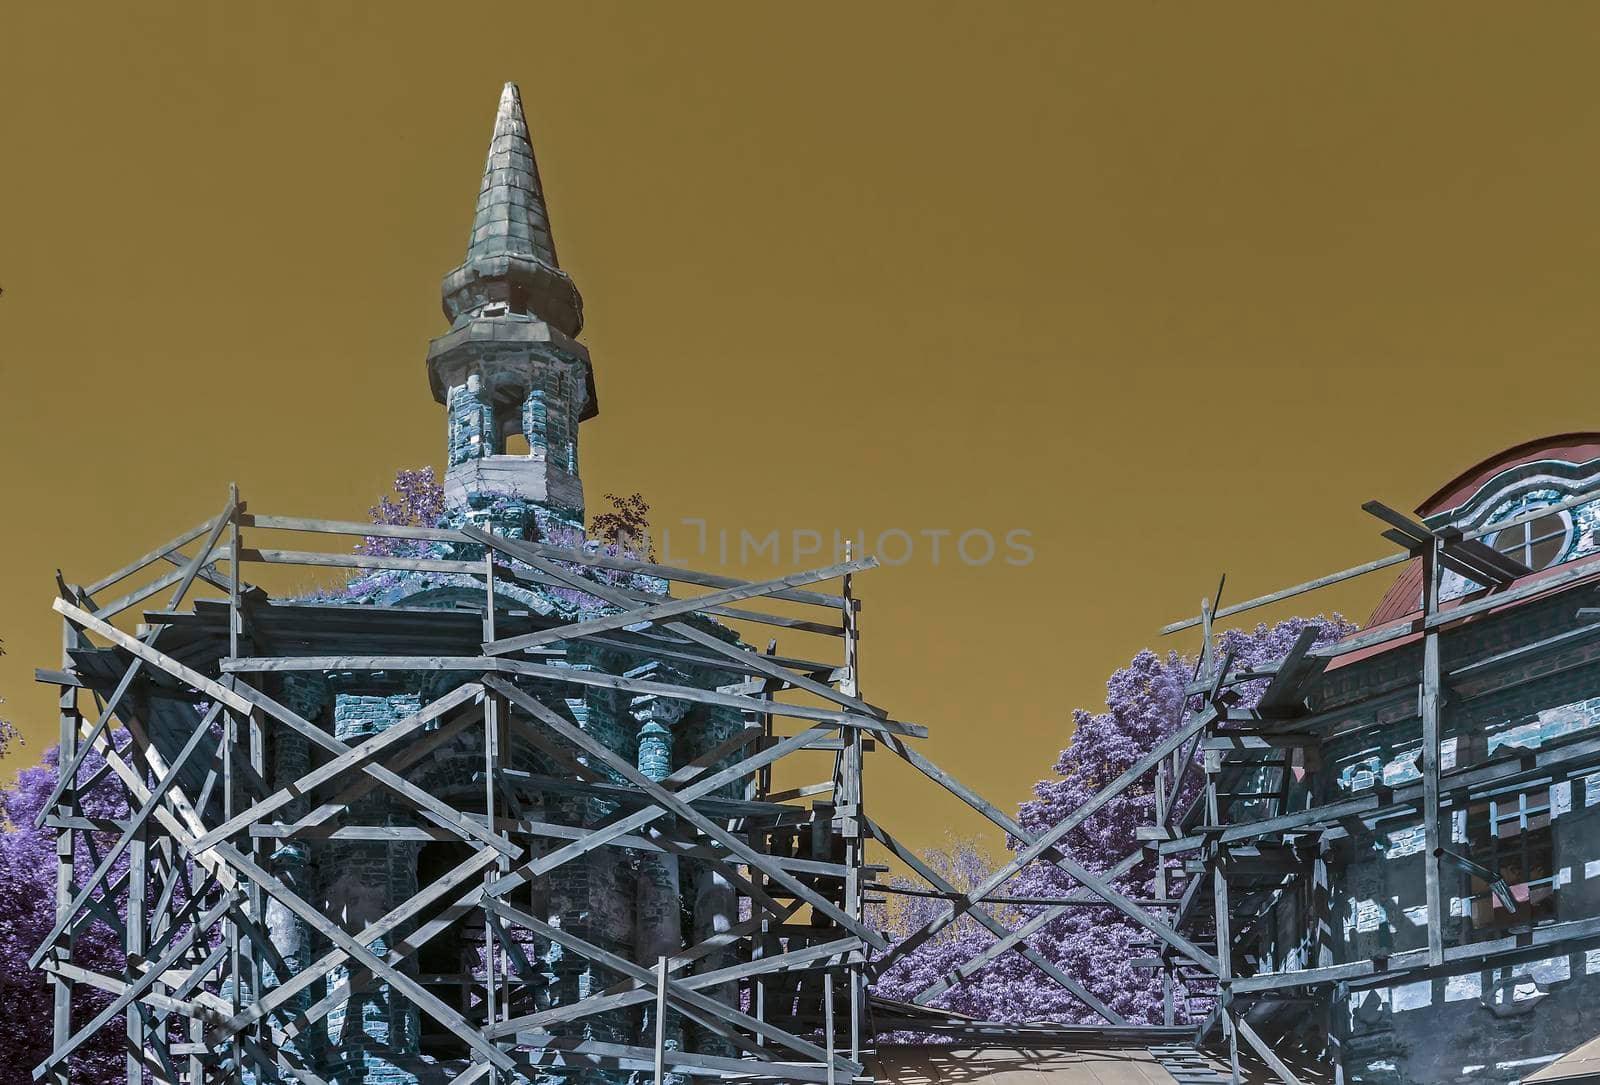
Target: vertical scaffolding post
(827,1019)
(1325,952)
(230,738)
(1428,708)
(133,945)
(1219,888)
(70,721)
(240,643)
(854,885)
(1167,1014)
(661,1019)
(758,839)
(491,743)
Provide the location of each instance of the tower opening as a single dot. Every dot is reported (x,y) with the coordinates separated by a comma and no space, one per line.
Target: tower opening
(447,962)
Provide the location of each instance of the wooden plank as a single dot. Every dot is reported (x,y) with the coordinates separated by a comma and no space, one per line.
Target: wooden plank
(745,658)
(153,556)
(593,785)
(684,809)
(345,797)
(554,553)
(84,620)
(554,1050)
(428,805)
(350,527)
(1285,693)
(632,993)
(414,992)
(675,963)
(603,834)
(182,822)
(670,608)
(994,926)
(1553,939)
(242,699)
(1035,847)
(359,561)
(1501,774)
(200,1007)
(1298,589)
(373,747)
(1228,741)
(681,995)
(1428,708)
(204,556)
(317,971)
(570,676)
(136,825)
(74,762)
(136,987)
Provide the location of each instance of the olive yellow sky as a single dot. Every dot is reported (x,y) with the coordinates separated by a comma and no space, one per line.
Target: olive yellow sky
(1171,287)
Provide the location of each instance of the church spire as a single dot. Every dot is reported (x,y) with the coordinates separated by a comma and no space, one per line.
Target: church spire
(511,255)
(514,380)
(511,217)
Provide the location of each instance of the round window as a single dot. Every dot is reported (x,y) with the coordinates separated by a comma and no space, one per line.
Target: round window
(1539,543)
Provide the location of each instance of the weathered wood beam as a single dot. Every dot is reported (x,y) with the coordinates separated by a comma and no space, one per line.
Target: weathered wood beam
(317,971)
(171,546)
(341,801)
(989,923)
(636,993)
(571,676)
(681,995)
(414,992)
(1046,842)
(242,699)
(136,987)
(747,660)
(1298,589)
(357,756)
(557,553)
(1412,965)
(684,809)
(669,609)
(136,825)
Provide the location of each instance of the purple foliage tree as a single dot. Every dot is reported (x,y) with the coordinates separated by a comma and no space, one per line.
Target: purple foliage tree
(418,501)
(27,913)
(1145,702)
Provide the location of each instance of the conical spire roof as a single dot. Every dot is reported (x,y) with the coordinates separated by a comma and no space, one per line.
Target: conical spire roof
(511,216)
(511,257)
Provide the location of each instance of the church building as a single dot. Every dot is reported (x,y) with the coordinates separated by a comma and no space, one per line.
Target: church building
(515,384)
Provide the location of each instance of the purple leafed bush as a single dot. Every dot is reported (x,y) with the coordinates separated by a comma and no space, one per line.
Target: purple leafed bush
(27,913)
(418,501)
(1145,703)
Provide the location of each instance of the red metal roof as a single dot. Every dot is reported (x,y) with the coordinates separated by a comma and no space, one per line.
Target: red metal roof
(1572,447)
(1591,565)
(1404,596)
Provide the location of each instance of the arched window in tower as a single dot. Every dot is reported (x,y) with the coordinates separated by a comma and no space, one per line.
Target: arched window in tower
(513,438)
(1537,543)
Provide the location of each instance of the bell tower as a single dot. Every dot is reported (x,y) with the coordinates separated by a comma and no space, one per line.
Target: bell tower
(514,381)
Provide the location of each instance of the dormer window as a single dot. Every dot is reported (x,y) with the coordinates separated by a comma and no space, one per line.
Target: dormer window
(1538,543)
(496,308)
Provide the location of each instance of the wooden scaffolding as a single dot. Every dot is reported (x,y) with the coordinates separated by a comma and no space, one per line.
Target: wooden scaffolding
(1254,853)
(180,715)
